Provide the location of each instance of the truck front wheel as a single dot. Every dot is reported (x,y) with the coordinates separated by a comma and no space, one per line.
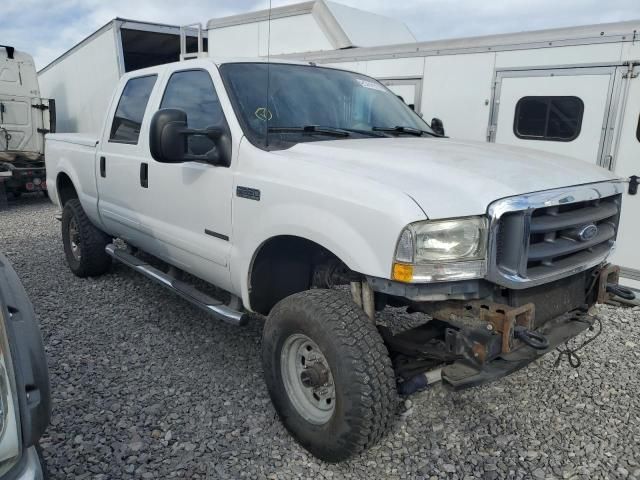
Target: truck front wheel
(83,242)
(328,373)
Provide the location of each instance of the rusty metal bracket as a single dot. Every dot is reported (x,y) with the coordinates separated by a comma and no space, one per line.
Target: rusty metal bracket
(609,274)
(504,319)
(493,316)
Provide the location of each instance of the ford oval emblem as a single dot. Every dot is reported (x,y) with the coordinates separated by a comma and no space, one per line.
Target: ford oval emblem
(587,232)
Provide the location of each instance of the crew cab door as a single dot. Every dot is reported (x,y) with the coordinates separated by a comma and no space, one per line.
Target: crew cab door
(190,203)
(121,201)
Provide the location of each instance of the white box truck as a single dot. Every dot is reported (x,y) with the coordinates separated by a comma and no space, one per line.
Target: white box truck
(25,117)
(83,78)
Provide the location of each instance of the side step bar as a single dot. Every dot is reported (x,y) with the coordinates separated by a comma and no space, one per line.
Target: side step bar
(209,304)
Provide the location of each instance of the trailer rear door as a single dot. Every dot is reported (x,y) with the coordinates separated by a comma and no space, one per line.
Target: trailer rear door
(563,111)
(626,164)
(17,129)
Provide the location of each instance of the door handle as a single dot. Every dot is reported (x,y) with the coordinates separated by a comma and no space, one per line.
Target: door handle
(103,167)
(144,175)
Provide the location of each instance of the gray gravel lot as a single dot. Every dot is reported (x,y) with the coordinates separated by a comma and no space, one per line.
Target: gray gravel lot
(145,386)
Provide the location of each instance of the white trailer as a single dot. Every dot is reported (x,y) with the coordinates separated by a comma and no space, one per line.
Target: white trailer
(82,79)
(573,91)
(25,118)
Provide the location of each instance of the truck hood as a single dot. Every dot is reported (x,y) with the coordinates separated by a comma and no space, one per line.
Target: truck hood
(449,178)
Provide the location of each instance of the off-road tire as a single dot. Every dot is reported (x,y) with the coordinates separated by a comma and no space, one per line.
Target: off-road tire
(93,259)
(365,389)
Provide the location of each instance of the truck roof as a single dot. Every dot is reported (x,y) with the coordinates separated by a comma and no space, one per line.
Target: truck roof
(207,60)
(8,52)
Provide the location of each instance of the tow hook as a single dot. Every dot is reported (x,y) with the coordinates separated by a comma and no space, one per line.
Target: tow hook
(533,339)
(620,291)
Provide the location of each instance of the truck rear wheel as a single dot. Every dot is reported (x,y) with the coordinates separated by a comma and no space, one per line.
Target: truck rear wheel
(328,373)
(83,242)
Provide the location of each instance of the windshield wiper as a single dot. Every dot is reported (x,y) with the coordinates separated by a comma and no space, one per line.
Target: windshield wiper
(409,130)
(368,133)
(311,130)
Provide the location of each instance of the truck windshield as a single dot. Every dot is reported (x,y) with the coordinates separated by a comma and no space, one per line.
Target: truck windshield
(308,103)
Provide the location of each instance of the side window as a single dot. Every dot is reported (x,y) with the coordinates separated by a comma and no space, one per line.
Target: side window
(638,129)
(548,118)
(192,91)
(131,107)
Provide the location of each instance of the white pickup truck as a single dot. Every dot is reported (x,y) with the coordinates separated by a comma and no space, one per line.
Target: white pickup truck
(312,198)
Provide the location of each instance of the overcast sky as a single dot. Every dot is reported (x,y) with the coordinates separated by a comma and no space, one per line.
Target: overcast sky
(47,28)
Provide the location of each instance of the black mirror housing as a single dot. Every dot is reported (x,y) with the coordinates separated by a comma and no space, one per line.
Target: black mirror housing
(168,140)
(437,126)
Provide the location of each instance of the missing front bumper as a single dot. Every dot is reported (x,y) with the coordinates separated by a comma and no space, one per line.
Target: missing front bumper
(462,374)
(479,341)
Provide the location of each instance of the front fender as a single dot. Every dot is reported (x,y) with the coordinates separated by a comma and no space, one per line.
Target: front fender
(364,239)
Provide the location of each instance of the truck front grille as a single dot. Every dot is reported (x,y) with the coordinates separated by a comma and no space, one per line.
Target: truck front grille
(549,235)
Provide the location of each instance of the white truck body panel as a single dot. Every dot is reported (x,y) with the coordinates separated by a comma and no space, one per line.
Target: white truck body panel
(315,25)
(75,157)
(83,78)
(83,86)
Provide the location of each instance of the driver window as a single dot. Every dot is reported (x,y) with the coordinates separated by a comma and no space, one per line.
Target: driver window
(192,91)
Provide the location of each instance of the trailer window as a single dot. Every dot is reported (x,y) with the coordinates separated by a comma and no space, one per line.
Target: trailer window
(142,48)
(130,112)
(548,118)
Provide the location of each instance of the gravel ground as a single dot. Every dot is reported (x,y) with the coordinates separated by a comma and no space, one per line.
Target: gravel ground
(144,386)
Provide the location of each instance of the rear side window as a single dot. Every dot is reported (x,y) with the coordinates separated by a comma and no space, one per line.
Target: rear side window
(131,107)
(192,91)
(548,118)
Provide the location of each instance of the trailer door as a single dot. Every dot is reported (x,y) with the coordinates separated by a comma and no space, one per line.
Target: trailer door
(16,125)
(625,150)
(410,89)
(563,111)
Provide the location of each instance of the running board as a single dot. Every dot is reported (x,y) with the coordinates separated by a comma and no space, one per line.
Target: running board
(209,304)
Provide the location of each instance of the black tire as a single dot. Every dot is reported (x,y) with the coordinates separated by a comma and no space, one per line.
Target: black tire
(363,378)
(91,241)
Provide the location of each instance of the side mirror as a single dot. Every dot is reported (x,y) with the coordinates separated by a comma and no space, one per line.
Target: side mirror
(169,139)
(437,127)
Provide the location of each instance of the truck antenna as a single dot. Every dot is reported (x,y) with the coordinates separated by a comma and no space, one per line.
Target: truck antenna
(267,112)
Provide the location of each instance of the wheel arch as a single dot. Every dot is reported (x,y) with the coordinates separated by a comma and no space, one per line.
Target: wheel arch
(283,265)
(65,188)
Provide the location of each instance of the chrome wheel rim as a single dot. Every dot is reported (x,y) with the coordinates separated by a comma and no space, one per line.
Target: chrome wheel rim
(307,379)
(74,239)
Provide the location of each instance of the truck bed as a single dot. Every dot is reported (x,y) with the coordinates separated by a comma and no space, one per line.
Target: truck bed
(72,156)
(85,139)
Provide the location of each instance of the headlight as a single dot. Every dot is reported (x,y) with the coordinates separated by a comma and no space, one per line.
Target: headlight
(442,250)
